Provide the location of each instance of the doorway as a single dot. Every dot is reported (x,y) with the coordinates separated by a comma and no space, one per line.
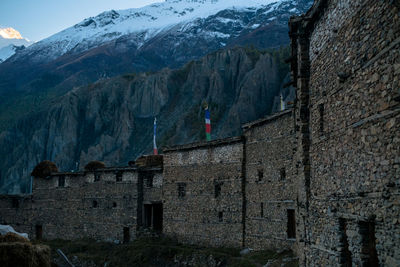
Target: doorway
(153,216)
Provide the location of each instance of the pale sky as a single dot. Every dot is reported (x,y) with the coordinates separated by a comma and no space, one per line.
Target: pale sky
(38,19)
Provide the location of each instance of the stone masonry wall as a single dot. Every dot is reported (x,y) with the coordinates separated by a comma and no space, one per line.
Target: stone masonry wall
(270,181)
(354,116)
(202,193)
(16,210)
(84,207)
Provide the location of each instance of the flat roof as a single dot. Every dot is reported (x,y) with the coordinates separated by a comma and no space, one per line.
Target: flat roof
(266,120)
(108,169)
(205,144)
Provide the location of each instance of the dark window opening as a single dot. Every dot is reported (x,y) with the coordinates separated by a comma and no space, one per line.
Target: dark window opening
(345,254)
(283,173)
(97,177)
(321,118)
(114,204)
(61,181)
(181,190)
(153,215)
(217,190)
(220,216)
(39,232)
(291,224)
(15,203)
(127,236)
(261,209)
(149,180)
(260,175)
(118,176)
(369,256)
(94,204)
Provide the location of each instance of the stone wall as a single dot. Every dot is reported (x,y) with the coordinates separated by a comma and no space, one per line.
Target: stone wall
(90,204)
(202,193)
(16,210)
(102,204)
(270,181)
(346,67)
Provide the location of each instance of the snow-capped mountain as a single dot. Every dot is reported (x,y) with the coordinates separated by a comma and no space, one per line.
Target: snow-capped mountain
(167,34)
(156,19)
(10,42)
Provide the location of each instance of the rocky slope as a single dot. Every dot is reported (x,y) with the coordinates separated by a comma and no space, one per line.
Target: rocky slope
(112,119)
(167,34)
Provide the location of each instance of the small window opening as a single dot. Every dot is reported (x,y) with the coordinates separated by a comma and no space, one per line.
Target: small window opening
(261,209)
(94,204)
(345,254)
(127,235)
(39,232)
(61,181)
(220,216)
(291,224)
(260,175)
(321,118)
(217,190)
(114,204)
(149,180)
(118,176)
(97,177)
(369,256)
(181,190)
(15,203)
(283,173)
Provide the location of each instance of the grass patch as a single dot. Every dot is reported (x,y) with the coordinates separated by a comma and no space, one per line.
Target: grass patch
(161,252)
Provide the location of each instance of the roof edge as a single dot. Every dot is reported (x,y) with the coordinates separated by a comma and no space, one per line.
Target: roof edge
(204,144)
(266,120)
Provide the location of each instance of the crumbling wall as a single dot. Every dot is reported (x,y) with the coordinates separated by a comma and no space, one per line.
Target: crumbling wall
(347,74)
(270,182)
(202,193)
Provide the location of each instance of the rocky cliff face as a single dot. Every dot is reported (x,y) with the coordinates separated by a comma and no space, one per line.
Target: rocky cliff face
(112,119)
(168,34)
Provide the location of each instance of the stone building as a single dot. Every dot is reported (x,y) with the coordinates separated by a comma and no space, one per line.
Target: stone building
(346,66)
(105,204)
(270,182)
(321,179)
(203,192)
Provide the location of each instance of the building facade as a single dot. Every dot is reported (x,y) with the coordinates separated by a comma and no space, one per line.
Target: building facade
(345,65)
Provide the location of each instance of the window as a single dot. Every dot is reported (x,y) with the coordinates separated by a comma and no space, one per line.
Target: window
(283,173)
(94,204)
(114,204)
(96,177)
(345,254)
(261,209)
(15,203)
(61,181)
(321,118)
(260,175)
(291,224)
(118,177)
(149,180)
(220,216)
(181,190)
(369,256)
(217,190)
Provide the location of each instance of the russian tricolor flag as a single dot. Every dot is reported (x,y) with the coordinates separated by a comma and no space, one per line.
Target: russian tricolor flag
(155,150)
